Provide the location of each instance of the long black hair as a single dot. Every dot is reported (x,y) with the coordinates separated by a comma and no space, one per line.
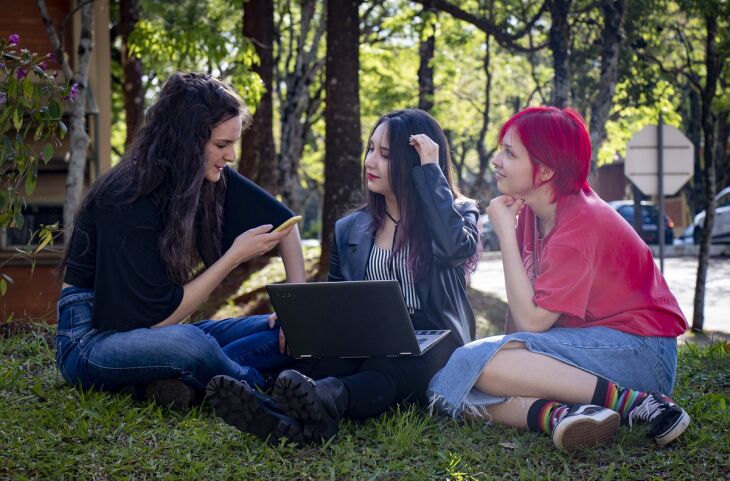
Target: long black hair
(166,162)
(412,230)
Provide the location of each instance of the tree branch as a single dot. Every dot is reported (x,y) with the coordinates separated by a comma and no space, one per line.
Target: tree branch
(503,38)
(55,41)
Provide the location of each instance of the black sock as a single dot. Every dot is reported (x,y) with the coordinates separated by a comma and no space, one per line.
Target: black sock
(533,415)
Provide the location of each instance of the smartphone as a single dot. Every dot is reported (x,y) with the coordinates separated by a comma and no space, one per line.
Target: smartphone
(288,222)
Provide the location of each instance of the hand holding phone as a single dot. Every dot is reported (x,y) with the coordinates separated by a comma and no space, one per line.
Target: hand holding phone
(289,222)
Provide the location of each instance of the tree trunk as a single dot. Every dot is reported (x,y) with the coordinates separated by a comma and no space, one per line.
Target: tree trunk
(559,42)
(693,127)
(342,116)
(426,47)
(132,66)
(258,154)
(613,16)
(709,124)
(299,105)
(721,162)
(78,139)
(479,190)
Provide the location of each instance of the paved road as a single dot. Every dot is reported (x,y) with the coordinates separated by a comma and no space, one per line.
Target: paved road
(680,273)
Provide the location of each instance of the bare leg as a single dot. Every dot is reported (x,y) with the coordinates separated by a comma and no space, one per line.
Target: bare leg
(516,371)
(510,413)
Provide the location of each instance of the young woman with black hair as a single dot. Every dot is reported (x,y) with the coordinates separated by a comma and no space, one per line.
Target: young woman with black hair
(417,229)
(144,228)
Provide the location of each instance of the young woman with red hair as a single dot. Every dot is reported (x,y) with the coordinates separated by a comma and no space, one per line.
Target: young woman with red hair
(592,324)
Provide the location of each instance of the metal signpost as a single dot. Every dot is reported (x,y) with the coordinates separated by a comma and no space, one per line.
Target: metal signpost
(659,160)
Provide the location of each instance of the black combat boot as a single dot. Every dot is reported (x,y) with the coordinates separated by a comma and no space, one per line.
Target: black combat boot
(317,405)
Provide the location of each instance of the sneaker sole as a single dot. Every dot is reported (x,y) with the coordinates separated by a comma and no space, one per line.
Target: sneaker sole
(587,431)
(240,408)
(297,398)
(674,431)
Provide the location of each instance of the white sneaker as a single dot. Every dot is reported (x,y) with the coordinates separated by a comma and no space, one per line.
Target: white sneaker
(585,425)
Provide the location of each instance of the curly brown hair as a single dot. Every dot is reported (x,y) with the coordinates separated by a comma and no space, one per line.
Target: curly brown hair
(166,162)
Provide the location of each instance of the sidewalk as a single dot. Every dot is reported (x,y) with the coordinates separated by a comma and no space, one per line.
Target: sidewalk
(680,273)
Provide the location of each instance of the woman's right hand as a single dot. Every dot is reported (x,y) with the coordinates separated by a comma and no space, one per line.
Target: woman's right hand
(256,242)
(502,212)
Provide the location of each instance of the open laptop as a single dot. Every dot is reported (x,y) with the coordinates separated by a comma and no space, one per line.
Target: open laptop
(348,319)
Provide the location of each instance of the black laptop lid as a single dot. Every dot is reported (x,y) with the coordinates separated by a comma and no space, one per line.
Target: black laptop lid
(344,319)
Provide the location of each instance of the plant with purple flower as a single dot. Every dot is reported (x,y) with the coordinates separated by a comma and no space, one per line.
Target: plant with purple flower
(35,117)
(73,92)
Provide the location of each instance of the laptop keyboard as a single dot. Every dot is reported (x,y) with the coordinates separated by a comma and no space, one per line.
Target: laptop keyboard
(422,340)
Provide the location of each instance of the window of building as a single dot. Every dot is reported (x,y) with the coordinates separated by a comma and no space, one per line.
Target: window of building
(35,216)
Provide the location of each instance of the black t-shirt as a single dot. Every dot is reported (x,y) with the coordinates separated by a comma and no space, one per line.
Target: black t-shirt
(115,251)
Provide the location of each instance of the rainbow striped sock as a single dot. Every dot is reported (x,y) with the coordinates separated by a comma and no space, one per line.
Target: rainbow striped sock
(543,415)
(612,396)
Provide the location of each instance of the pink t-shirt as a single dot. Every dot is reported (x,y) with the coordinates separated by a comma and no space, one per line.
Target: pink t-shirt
(594,269)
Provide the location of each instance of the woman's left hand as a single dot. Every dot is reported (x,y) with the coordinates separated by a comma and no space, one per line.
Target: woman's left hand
(282,339)
(427,149)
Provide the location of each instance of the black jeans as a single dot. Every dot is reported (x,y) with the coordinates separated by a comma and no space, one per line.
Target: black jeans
(376,383)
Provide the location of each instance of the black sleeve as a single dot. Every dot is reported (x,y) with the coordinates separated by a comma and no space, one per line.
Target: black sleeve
(335,274)
(131,286)
(454,231)
(247,206)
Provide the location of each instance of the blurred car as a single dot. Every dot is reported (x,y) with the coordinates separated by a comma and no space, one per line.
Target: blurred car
(490,241)
(721,227)
(649,220)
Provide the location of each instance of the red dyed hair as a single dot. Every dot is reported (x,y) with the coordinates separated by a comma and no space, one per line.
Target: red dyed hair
(558,139)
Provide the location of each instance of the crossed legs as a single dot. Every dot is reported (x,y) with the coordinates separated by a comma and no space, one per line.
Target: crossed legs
(525,376)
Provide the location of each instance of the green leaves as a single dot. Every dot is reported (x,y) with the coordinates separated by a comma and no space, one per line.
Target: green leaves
(48,152)
(18,118)
(30,182)
(27,88)
(54,109)
(30,123)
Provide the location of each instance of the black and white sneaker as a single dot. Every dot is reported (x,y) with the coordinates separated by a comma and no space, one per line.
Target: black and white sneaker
(251,412)
(585,425)
(666,420)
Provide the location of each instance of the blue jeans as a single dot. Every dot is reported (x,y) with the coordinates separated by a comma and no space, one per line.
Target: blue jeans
(193,353)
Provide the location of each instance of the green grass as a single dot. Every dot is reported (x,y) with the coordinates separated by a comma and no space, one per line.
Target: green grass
(49,430)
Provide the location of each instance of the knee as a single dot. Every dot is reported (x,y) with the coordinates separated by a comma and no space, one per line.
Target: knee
(189,346)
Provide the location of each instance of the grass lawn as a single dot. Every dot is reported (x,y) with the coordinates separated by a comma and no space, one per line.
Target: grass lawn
(49,430)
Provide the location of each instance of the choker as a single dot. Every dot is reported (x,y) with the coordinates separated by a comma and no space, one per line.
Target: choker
(396,222)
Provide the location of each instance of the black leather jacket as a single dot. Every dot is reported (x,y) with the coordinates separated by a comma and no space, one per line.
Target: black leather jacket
(453,228)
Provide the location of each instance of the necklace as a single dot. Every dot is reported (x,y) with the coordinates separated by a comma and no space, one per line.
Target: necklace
(396,222)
